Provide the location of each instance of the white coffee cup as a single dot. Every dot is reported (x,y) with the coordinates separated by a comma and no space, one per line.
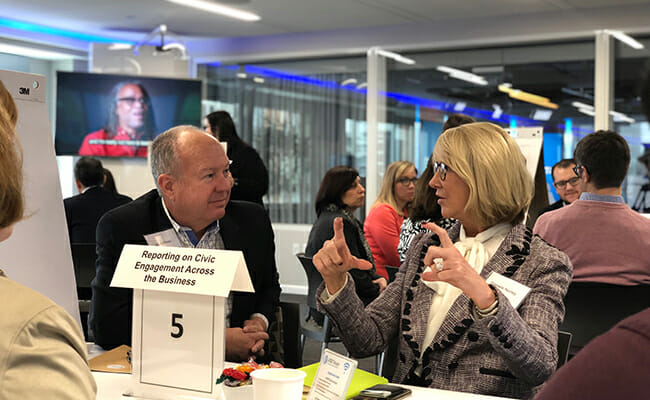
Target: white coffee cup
(278,384)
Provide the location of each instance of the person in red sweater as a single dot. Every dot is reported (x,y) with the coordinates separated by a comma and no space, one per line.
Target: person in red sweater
(383,223)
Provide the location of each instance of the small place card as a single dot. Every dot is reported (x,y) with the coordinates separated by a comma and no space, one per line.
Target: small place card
(514,291)
(333,377)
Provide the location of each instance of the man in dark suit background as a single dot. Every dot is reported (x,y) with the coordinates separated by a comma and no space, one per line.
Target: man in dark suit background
(83,211)
(193,177)
(566,182)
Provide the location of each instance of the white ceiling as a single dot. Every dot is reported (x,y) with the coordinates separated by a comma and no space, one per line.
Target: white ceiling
(131,19)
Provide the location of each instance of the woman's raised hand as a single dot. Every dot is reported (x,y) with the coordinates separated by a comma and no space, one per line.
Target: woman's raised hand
(447,264)
(334,260)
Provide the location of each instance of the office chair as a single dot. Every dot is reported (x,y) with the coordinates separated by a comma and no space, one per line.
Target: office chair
(83,259)
(592,308)
(563,346)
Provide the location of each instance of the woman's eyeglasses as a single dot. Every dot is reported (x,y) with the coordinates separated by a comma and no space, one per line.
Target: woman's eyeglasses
(130,101)
(442,168)
(407,181)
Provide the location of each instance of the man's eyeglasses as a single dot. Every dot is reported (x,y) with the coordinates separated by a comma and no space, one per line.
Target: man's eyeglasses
(131,100)
(578,169)
(407,181)
(562,184)
(442,168)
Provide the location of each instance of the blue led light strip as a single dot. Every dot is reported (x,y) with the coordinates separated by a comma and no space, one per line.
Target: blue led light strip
(504,119)
(26,26)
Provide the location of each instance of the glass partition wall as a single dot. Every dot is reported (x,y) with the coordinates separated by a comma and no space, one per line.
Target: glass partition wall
(628,118)
(512,86)
(306,116)
(303,117)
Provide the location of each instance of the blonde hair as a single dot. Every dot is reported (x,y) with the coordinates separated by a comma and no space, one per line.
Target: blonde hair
(11,166)
(491,164)
(387,190)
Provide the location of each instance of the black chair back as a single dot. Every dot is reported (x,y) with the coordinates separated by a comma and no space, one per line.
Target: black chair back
(593,308)
(83,259)
(314,278)
(391,272)
(563,345)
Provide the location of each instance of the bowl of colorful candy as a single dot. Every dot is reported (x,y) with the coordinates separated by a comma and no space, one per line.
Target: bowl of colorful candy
(241,374)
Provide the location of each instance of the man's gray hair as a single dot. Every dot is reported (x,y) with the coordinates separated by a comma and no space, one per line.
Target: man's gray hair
(164,159)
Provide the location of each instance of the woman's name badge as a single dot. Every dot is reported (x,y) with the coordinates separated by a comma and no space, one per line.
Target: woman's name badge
(514,291)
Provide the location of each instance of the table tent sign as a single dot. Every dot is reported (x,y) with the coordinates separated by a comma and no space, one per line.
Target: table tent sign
(179,317)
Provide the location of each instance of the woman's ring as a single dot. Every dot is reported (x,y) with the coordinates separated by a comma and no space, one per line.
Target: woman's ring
(438,262)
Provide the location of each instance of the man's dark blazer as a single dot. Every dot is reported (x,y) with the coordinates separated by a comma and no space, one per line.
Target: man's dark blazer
(83,211)
(245,227)
(555,206)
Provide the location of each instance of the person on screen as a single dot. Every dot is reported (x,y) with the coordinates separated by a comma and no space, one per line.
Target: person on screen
(192,200)
(42,350)
(130,124)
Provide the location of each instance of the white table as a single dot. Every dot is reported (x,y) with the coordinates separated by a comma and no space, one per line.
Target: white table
(111,386)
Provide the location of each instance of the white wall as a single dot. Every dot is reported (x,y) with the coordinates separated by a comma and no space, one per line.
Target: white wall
(291,239)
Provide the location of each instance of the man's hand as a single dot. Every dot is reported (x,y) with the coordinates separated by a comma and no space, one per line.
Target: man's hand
(240,344)
(334,260)
(255,324)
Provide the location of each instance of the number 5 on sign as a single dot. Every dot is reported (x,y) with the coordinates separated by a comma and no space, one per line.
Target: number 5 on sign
(179,317)
(177,325)
(177,339)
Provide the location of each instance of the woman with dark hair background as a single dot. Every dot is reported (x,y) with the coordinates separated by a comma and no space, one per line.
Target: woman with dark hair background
(109,184)
(247,168)
(339,195)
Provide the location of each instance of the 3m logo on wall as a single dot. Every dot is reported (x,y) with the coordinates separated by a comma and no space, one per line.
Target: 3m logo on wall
(23,90)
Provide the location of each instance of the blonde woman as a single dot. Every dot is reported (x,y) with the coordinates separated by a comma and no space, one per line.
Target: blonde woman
(456,331)
(42,351)
(383,223)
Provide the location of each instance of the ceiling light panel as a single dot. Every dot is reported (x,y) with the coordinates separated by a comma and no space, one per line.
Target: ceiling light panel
(216,8)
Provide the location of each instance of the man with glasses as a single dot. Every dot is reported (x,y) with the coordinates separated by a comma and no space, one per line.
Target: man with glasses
(605,239)
(566,183)
(129,127)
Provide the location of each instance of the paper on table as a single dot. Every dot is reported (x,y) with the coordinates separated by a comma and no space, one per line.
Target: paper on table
(360,380)
(112,361)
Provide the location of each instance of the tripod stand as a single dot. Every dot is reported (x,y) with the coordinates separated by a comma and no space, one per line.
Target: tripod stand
(640,201)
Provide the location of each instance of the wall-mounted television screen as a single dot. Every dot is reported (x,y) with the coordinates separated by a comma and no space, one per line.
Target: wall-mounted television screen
(117,115)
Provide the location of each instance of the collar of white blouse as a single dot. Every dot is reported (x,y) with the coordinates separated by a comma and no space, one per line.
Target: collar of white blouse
(476,250)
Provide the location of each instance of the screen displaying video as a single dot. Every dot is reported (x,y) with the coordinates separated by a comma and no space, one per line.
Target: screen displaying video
(118,115)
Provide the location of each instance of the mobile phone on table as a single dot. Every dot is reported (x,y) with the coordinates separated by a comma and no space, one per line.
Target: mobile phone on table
(383,392)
